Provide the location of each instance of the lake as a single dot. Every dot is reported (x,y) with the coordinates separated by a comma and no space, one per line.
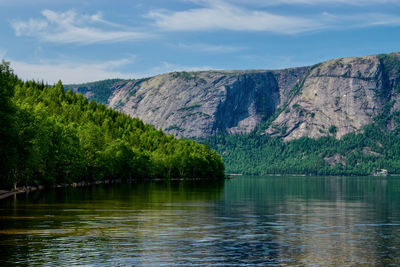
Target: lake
(247,220)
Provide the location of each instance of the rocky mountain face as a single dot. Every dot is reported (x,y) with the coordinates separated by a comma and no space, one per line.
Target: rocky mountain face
(340,96)
(332,98)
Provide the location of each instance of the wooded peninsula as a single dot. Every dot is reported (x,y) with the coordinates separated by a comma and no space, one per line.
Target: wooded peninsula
(49,136)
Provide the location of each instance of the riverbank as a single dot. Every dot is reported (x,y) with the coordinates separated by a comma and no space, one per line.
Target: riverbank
(27,189)
(19,190)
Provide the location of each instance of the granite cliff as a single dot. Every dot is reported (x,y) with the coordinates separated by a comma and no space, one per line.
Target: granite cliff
(341,96)
(334,98)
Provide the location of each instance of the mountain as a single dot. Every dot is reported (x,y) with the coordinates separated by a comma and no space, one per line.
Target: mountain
(342,94)
(199,104)
(339,117)
(335,97)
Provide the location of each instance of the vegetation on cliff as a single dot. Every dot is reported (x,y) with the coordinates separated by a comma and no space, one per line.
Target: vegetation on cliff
(361,153)
(97,91)
(339,117)
(51,136)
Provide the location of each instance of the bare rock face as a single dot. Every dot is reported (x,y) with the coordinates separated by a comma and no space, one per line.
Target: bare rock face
(333,98)
(337,97)
(199,104)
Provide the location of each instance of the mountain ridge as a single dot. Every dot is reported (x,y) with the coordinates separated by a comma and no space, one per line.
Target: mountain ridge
(333,98)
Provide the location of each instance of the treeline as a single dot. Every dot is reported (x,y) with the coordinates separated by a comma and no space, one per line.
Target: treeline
(51,136)
(98,91)
(365,153)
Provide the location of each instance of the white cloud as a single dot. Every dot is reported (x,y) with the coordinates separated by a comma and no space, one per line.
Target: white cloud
(377,19)
(335,21)
(223,16)
(71,27)
(70,72)
(166,67)
(81,72)
(309,2)
(333,2)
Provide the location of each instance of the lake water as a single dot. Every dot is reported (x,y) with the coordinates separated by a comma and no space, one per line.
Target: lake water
(248,220)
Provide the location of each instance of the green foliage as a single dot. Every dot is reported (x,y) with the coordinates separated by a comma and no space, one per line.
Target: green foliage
(189,107)
(390,74)
(174,127)
(102,90)
(390,62)
(187,76)
(51,136)
(362,154)
(294,91)
(8,129)
(283,130)
(332,129)
(372,149)
(195,114)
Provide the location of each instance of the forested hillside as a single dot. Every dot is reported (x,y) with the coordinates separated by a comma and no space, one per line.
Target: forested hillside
(51,136)
(364,153)
(344,121)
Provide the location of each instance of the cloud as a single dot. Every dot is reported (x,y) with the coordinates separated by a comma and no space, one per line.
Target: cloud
(166,67)
(377,19)
(71,27)
(81,72)
(223,16)
(364,20)
(70,72)
(210,48)
(333,2)
(309,2)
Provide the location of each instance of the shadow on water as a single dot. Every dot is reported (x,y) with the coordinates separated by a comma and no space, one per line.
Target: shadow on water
(247,220)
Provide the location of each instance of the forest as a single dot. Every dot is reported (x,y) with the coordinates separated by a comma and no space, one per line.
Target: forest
(363,153)
(50,136)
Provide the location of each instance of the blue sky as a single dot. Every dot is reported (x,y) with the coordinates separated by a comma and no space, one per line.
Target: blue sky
(80,41)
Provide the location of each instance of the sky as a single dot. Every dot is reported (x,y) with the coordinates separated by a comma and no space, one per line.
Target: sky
(79,41)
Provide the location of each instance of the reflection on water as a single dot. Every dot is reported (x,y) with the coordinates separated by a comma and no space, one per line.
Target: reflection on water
(248,220)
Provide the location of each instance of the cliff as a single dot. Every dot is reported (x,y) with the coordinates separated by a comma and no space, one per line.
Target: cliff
(332,98)
(340,96)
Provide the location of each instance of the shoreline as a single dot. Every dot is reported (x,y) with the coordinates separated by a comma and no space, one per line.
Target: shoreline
(19,190)
(26,189)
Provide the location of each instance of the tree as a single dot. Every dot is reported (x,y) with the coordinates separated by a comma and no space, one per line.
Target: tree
(8,132)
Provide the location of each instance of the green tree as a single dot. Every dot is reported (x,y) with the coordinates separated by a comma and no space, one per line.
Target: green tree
(8,131)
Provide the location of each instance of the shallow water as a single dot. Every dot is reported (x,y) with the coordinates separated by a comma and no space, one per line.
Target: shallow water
(247,220)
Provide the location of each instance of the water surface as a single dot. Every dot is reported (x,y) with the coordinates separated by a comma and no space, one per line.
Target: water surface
(247,220)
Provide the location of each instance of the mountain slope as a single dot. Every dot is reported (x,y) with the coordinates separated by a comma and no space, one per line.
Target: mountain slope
(335,97)
(340,96)
(199,104)
(340,117)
